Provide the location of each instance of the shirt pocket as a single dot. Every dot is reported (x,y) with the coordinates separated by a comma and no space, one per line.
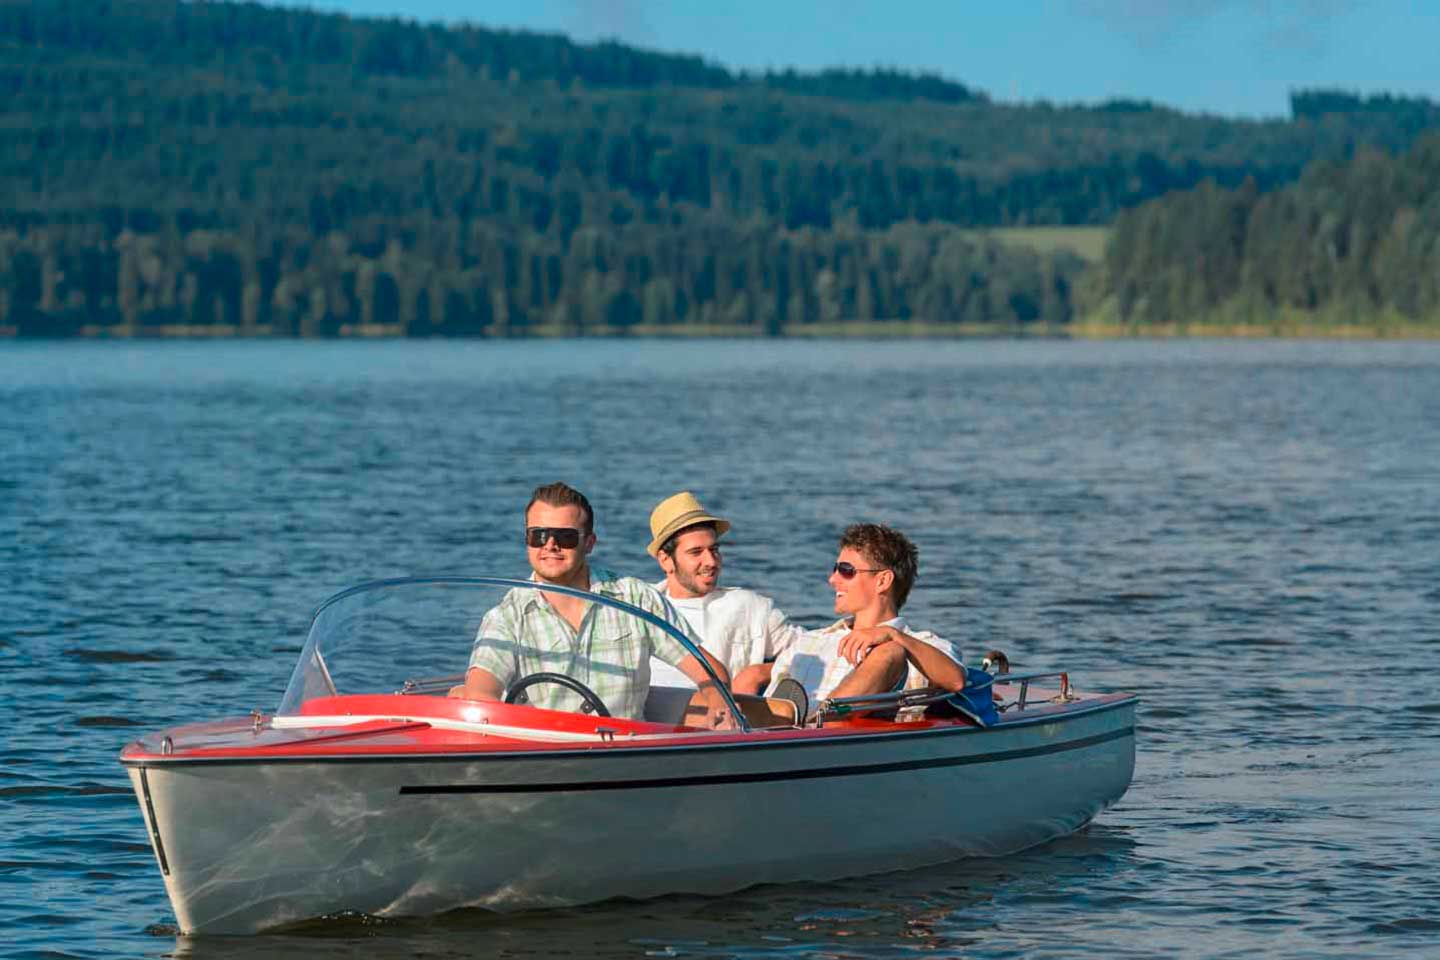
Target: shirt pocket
(614,654)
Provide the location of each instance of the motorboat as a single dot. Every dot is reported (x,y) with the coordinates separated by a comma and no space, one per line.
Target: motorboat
(369,790)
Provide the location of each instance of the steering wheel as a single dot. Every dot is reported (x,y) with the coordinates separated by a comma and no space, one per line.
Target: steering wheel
(515,693)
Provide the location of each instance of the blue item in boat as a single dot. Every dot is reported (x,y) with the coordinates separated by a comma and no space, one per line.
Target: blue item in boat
(975,700)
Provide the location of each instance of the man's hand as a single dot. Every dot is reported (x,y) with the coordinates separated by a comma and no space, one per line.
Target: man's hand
(857,643)
(717,712)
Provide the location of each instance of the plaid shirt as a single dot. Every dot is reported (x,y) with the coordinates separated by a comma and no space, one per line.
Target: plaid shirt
(815,661)
(610,653)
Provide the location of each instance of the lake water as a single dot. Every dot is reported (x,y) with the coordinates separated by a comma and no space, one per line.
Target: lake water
(1247,534)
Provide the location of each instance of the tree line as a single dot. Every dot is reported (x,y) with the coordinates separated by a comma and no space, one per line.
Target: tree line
(168,163)
(1354,242)
(444,280)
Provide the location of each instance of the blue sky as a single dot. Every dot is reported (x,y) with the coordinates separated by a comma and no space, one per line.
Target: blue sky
(1233,57)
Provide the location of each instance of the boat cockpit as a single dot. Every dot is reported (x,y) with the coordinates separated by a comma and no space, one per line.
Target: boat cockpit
(381,659)
(414,637)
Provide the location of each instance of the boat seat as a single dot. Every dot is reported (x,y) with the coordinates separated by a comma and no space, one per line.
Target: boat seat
(667,704)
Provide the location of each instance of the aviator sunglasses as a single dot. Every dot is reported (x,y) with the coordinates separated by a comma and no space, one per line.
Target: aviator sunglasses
(847,570)
(566,538)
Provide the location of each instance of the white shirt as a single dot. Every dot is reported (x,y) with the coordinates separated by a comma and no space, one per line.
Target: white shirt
(815,661)
(738,627)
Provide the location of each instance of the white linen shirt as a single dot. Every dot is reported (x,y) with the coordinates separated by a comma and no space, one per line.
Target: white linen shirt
(738,627)
(815,662)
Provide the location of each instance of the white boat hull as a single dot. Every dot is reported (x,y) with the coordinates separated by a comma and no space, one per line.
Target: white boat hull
(248,845)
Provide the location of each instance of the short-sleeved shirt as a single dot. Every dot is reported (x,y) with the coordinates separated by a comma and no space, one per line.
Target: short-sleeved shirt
(610,653)
(739,627)
(815,661)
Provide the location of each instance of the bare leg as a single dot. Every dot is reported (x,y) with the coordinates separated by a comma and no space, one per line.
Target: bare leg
(759,711)
(881,669)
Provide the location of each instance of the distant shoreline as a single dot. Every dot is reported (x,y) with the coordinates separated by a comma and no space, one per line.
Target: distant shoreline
(874,330)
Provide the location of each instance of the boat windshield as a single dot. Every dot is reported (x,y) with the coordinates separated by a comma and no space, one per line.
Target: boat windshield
(418,636)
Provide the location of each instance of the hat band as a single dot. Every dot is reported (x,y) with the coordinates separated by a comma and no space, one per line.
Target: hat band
(684,520)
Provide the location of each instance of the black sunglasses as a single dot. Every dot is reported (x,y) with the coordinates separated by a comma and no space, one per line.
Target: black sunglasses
(847,570)
(566,538)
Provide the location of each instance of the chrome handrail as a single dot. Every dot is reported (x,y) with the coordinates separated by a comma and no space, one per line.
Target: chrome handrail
(840,706)
(1024,680)
(420,685)
(923,696)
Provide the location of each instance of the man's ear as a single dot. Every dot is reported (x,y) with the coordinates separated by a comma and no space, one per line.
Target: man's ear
(884,580)
(590,541)
(667,562)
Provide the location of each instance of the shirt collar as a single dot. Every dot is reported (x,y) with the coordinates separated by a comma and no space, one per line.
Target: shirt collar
(848,623)
(602,581)
(664,587)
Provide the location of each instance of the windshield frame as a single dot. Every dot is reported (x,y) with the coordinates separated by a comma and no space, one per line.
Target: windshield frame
(308,650)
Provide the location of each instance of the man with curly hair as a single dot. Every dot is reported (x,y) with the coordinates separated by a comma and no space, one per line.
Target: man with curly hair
(871,649)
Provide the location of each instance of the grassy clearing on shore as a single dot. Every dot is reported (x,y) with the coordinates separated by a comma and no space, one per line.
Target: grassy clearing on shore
(1236,319)
(1305,331)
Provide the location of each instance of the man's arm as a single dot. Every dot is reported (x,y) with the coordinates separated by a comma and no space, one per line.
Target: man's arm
(492,660)
(937,667)
(479,685)
(720,669)
(753,679)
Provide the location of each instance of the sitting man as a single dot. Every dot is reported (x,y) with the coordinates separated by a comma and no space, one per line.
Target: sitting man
(532,631)
(740,627)
(871,649)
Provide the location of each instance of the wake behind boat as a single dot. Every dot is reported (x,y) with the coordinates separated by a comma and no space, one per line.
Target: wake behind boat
(369,790)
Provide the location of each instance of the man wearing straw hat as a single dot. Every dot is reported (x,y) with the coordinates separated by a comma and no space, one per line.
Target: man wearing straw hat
(741,628)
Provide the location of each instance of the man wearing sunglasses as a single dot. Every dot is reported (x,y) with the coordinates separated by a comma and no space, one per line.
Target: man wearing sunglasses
(871,649)
(531,631)
(740,627)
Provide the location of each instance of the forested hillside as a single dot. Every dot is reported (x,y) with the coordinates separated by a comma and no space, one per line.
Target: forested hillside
(183,167)
(1356,243)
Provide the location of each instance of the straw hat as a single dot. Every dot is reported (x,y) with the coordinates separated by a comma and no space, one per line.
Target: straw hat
(676,513)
